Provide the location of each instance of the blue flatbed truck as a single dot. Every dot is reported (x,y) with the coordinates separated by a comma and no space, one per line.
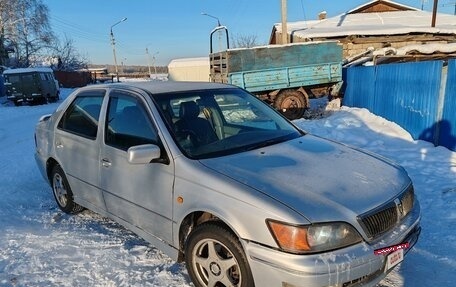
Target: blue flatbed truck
(282,75)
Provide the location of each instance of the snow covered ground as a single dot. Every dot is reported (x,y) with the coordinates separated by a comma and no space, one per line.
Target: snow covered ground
(40,246)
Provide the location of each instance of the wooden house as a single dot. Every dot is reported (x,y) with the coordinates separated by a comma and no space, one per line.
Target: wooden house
(377,24)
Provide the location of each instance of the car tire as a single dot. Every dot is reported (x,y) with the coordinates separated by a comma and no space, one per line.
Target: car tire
(54,99)
(215,257)
(62,192)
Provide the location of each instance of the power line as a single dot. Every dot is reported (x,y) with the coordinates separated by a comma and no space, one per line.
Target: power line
(303,10)
(77,31)
(129,49)
(81,32)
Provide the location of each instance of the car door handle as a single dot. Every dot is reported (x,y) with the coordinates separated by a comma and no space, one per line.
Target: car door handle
(58,145)
(105,162)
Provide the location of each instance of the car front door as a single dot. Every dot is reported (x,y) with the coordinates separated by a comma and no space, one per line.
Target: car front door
(140,194)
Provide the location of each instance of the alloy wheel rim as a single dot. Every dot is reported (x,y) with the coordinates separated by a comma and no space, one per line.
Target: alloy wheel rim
(215,265)
(60,191)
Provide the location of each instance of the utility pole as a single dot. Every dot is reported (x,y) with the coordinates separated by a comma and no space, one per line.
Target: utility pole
(155,66)
(284,22)
(113,43)
(422,4)
(148,61)
(434,13)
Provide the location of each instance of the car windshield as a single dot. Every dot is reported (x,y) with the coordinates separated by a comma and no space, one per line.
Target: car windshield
(212,123)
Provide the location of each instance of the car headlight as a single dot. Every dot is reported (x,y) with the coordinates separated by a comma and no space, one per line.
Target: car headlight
(313,238)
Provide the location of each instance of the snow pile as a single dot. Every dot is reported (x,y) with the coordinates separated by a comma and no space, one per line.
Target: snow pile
(40,246)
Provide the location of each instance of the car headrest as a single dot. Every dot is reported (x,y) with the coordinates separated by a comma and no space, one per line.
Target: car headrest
(189,110)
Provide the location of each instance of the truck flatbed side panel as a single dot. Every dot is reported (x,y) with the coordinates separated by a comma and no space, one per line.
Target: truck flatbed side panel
(281,56)
(290,77)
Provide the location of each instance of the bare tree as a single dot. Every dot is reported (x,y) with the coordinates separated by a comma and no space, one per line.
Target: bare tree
(25,26)
(68,58)
(244,41)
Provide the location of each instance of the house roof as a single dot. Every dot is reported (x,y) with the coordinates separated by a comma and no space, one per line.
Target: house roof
(384,5)
(408,20)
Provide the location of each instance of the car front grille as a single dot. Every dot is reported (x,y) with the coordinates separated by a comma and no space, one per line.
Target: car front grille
(380,220)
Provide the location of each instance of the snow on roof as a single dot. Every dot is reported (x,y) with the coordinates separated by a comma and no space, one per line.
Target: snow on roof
(427,49)
(384,23)
(28,70)
(189,62)
(97,69)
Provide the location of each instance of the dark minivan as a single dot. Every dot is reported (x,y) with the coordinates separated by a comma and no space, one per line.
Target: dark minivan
(31,85)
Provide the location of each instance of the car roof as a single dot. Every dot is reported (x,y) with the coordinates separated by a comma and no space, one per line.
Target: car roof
(155,87)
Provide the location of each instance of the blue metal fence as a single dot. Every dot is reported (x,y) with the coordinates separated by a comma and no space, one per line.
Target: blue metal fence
(359,91)
(412,94)
(447,124)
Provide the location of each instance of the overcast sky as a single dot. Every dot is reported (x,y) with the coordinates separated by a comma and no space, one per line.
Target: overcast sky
(176,28)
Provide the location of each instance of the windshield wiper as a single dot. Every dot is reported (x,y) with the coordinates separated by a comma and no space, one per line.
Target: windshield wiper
(265,143)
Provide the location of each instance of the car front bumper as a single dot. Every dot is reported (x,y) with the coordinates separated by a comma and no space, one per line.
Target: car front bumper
(356,265)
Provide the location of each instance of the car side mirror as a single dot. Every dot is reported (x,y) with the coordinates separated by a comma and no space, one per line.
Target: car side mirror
(143,154)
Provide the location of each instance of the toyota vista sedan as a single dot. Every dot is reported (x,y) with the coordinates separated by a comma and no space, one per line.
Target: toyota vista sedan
(214,177)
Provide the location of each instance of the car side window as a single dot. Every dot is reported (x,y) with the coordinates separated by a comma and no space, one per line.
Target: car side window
(128,123)
(82,115)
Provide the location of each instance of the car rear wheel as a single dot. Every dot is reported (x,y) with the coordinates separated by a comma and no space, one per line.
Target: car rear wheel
(62,192)
(214,258)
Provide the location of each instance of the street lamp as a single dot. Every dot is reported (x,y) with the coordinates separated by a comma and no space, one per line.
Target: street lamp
(218,28)
(218,21)
(113,43)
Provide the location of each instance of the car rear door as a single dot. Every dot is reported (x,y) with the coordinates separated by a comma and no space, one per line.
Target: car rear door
(77,140)
(140,194)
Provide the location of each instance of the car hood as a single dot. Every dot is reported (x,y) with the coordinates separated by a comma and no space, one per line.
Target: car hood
(320,179)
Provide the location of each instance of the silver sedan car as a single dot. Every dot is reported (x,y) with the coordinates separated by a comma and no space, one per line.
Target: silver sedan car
(216,178)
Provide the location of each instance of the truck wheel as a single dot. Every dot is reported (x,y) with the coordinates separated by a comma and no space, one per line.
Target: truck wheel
(214,257)
(291,104)
(62,192)
(54,99)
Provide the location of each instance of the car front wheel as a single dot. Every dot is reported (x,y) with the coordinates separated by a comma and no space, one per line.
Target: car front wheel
(214,258)
(62,192)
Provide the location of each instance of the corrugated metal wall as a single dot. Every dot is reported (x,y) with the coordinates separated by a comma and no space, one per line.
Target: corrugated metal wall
(410,94)
(447,127)
(359,90)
